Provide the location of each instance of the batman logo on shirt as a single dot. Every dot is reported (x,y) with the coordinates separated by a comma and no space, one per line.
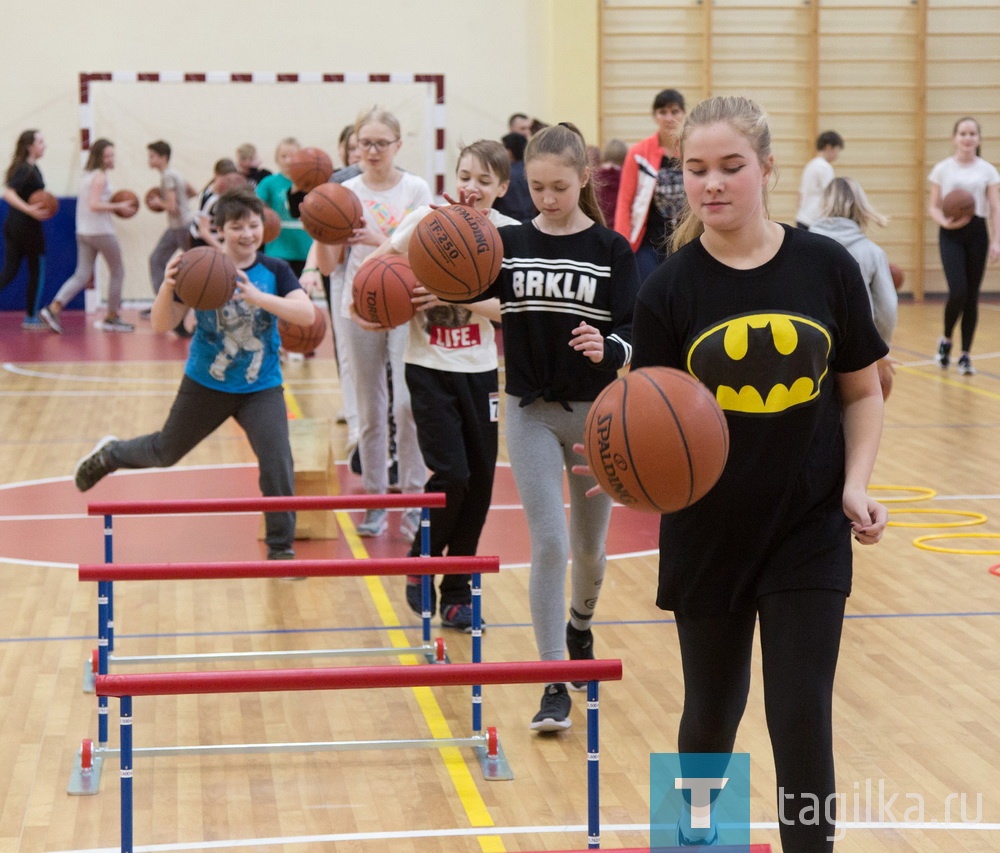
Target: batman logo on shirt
(762,363)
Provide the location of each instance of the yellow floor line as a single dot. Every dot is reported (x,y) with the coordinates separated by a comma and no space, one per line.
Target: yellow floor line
(953,382)
(294,409)
(455,764)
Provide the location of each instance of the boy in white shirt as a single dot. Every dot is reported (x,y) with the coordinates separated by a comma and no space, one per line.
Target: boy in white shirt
(451,372)
(816,177)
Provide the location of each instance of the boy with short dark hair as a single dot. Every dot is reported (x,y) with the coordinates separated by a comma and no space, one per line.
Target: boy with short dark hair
(232,369)
(173,191)
(816,177)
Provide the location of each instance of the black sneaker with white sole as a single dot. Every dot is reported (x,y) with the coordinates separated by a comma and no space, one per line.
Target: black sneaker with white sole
(553,715)
(943,357)
(95,466)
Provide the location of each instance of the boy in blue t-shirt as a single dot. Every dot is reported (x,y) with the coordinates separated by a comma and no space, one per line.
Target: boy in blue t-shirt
(232,369)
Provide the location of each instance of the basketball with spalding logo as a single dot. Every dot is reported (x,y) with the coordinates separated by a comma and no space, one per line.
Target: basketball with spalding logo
(656,440)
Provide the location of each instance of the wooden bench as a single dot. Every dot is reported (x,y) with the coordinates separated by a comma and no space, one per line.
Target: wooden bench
(315,474)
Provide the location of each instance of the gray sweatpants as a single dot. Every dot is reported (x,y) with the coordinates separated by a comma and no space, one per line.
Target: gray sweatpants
(88,247)
(540,439)
(171,240)
(195,414)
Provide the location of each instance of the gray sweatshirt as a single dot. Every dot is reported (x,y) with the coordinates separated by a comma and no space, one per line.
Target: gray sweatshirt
(874,269)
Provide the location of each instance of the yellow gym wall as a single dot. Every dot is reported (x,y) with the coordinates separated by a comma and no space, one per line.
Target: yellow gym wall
(891,76)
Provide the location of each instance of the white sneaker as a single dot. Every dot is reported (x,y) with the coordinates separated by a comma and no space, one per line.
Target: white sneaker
(409,524)
(114,324)
(374,523)
(51,320)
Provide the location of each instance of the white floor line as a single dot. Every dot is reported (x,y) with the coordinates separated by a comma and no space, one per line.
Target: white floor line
(501,831)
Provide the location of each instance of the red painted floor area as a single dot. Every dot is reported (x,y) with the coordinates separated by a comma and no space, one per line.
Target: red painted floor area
(81,342)
(47,522)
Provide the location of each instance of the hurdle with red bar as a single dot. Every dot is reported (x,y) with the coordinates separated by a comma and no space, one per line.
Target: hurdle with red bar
(109,509)
(126,687)
(85,777)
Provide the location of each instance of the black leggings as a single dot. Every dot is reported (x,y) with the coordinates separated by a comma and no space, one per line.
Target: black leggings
(800,639)
(14,253)
(963,256)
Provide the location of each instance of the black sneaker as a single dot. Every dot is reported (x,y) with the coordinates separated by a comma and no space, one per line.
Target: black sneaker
(965,365)
(580,645)
(413,595)
(277,552)
(553,716)
(459,617)
(95,466)
(943,357)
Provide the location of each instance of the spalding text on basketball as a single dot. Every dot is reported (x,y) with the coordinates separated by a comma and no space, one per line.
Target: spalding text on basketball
(612,463)
(477,232)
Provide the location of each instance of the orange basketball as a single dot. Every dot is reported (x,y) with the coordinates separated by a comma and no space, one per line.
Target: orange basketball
(303,339)
(897,276)
(154,200)
(656,439)
(456,252)
(126,195)
(46,199)
(382,290)
(206,278)
(958,204)
(309,168)
(272,224)
(330,213)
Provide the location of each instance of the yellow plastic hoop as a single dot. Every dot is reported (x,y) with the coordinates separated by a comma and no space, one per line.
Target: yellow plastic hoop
(921,493)
(974,518)
(921,540)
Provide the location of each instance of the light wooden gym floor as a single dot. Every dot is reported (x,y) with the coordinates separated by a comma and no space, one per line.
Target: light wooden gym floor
(916,698)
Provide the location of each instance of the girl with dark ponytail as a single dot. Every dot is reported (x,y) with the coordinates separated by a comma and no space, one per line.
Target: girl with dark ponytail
(22,230)
(566,291)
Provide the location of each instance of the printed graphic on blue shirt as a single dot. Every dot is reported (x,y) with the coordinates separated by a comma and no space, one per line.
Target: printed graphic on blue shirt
(235,347)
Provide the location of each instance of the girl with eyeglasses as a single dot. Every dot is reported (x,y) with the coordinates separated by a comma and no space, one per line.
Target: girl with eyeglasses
(387,194)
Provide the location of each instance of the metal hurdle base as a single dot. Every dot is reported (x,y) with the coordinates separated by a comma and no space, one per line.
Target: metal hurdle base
(495,768)
(89,678)
(84,782)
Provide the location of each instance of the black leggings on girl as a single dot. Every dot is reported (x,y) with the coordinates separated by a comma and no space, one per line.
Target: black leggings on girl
(963,256)
(14,253)
(800,640)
